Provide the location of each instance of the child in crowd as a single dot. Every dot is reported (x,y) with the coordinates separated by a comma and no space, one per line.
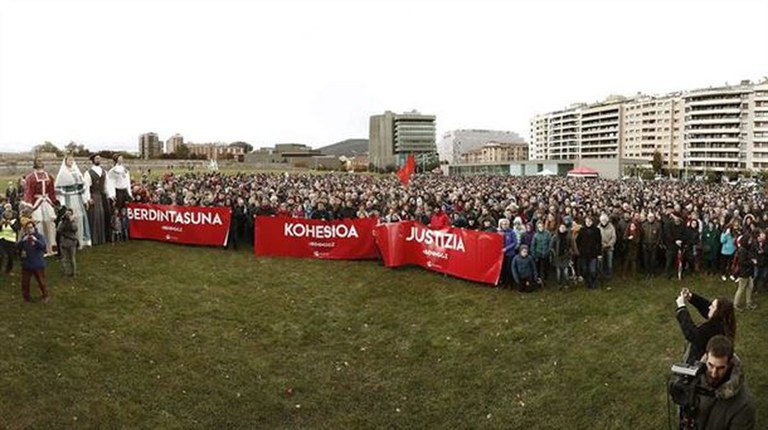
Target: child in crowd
(124,222)
(117,226)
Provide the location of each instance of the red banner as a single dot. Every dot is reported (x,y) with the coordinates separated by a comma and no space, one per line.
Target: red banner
(179,224)
(468,254)
(350,239)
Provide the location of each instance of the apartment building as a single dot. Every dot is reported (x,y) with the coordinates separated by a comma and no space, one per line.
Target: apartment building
(653,124)
(455,143)
(760,129)
(497,152)
(714,129)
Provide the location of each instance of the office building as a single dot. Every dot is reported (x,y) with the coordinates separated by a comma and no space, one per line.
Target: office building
(150,146)
(392,137)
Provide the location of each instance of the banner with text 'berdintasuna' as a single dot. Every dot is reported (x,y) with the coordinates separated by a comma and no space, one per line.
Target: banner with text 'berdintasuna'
(192,225)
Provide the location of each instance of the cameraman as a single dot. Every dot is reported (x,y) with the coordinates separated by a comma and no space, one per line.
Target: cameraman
(721,320)
(732,406)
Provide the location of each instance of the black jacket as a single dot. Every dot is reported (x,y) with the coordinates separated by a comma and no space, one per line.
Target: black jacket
(746,254)
(698,336)
(672,233)
(589,242)
(732,407)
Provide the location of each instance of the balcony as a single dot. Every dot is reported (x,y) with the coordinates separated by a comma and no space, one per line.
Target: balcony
(707,121)
(715,131)
(714,111)
(708,150)
(734,140)
(712,102)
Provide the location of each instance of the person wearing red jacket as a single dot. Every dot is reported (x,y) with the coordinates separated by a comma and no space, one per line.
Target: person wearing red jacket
(439,220)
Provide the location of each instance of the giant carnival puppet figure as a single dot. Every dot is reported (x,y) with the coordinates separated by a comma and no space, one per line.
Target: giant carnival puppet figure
(95,180)
(39,193)
(72,193)
(119,184)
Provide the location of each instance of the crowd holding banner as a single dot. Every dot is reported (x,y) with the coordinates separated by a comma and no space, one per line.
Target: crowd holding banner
(179,224)
(350,239)
(594,228)
(466,254)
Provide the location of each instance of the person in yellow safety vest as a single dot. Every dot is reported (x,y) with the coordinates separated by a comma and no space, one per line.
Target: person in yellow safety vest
(8,227)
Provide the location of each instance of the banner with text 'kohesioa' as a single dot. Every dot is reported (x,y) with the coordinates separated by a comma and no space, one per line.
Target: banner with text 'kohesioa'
(350,239)
(191,225)
(467,254)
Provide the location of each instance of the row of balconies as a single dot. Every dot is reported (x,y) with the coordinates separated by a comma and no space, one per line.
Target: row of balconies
(700,139)
(714,119)
(713,131)
(600,121)
(712,99)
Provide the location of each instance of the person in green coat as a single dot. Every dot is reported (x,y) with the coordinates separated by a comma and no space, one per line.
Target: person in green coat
(540,248)
(710,247)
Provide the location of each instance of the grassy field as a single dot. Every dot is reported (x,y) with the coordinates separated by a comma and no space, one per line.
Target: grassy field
(151,335)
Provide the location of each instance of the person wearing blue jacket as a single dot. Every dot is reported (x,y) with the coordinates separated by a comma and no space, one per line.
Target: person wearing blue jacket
(727,250)
(524,271)
(32,249)
(510,247)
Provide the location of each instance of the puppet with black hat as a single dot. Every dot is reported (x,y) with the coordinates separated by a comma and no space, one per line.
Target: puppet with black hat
(95,180)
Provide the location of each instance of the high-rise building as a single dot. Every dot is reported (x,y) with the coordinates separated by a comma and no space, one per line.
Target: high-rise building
(601,129)
(714,129)
(723,130)
(455,143)
(654,124)
(392,137)
(173,143)
(150,146)
(760,129)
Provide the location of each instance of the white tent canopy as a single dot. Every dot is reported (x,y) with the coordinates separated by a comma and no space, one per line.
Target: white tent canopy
(546,172)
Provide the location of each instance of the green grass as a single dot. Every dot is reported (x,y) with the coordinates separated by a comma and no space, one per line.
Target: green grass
(160,336)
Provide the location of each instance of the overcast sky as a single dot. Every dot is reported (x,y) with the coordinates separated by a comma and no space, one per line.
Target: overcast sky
(101,73)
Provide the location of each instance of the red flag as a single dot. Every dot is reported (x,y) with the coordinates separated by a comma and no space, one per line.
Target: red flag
(407,170)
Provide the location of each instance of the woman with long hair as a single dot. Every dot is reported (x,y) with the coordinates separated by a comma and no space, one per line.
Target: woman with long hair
(720,319)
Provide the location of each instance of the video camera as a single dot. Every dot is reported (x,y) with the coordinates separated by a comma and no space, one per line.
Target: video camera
(684,389)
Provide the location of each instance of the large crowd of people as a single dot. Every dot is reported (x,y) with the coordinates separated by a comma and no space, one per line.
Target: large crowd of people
(567,228)
(586,229)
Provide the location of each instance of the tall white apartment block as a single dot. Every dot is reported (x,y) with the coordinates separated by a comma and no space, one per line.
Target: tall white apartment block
(714,129)
(563,135)
(601,129)
(654,124)
(760,130)
(718,128)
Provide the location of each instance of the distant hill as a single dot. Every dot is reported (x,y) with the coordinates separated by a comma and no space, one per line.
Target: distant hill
(349,148)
